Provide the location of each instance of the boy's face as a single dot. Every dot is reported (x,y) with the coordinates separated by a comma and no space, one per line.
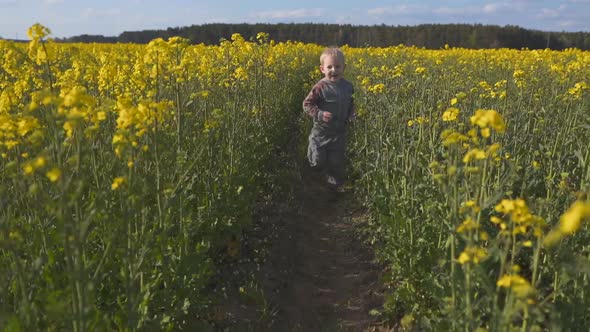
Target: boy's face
(332,68)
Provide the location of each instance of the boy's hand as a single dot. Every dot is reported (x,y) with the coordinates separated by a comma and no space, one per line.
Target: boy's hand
(326,116)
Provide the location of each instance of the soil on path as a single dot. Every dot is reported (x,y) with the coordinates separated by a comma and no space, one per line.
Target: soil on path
(319,275)
(329,279)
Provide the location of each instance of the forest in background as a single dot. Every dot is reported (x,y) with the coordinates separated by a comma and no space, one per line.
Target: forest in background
(430,36)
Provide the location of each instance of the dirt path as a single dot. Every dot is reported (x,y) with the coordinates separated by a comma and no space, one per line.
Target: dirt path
(320,276)
(316,273)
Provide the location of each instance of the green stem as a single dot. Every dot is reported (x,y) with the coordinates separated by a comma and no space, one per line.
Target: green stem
(158,184)
(555,285)
(48,67)
(179,153)
(469,309)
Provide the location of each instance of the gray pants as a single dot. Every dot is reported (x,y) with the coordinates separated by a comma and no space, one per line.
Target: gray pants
(327,153)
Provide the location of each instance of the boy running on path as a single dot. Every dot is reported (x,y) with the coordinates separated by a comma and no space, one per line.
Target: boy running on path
(330,104)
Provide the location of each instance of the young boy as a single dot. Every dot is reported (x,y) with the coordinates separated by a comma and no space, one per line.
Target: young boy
(330,105)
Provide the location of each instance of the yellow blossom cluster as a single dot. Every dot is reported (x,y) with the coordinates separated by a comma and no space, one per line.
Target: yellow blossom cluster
(517,211)
(497,90)
(134,121)
(578,91)
(486,119)
(517,284)
(468,225)
(376,89)
(418,121)
(18,129)
(474,140)
(78,108)
(459,97)
(450,137)
(118,182)
(471,232)
(451,114)
(472,254)
(569,222)
(37,51)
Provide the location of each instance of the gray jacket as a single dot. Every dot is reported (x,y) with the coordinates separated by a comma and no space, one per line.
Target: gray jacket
(336,98)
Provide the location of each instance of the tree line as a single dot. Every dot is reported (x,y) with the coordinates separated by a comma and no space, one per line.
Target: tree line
(431,36)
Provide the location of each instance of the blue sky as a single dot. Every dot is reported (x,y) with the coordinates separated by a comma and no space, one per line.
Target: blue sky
(109,18)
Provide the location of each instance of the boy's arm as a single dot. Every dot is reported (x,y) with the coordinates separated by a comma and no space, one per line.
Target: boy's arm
(351,110)
(311,103)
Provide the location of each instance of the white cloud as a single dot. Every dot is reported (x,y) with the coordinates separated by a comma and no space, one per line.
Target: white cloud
(397,10)
(53,2)
(290,14)
(553,13)
(6,3)
(548,13)
(497,7)
(533,14)
(567,24)
(564,17)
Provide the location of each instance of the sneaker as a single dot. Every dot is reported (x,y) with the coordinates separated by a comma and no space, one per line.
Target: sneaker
(334,184)
(331,180)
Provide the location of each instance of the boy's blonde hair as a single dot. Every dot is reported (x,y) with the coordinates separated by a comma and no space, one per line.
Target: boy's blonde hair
(332,51)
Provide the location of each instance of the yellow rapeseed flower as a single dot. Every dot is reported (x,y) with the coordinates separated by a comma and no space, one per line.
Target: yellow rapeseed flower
(505,206)
(468,225)
(377,88)
(420,70)
(419,120)
(488,118)
(472,254)
(118,182)
(54,174)
(28,169)
(468,206)
(26,125)
(492,150)
(450,114)
(519,285)
(39,162)
(495,220)
(463,258)
(571,220)
(451,137)
(484,236)
(474,154)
